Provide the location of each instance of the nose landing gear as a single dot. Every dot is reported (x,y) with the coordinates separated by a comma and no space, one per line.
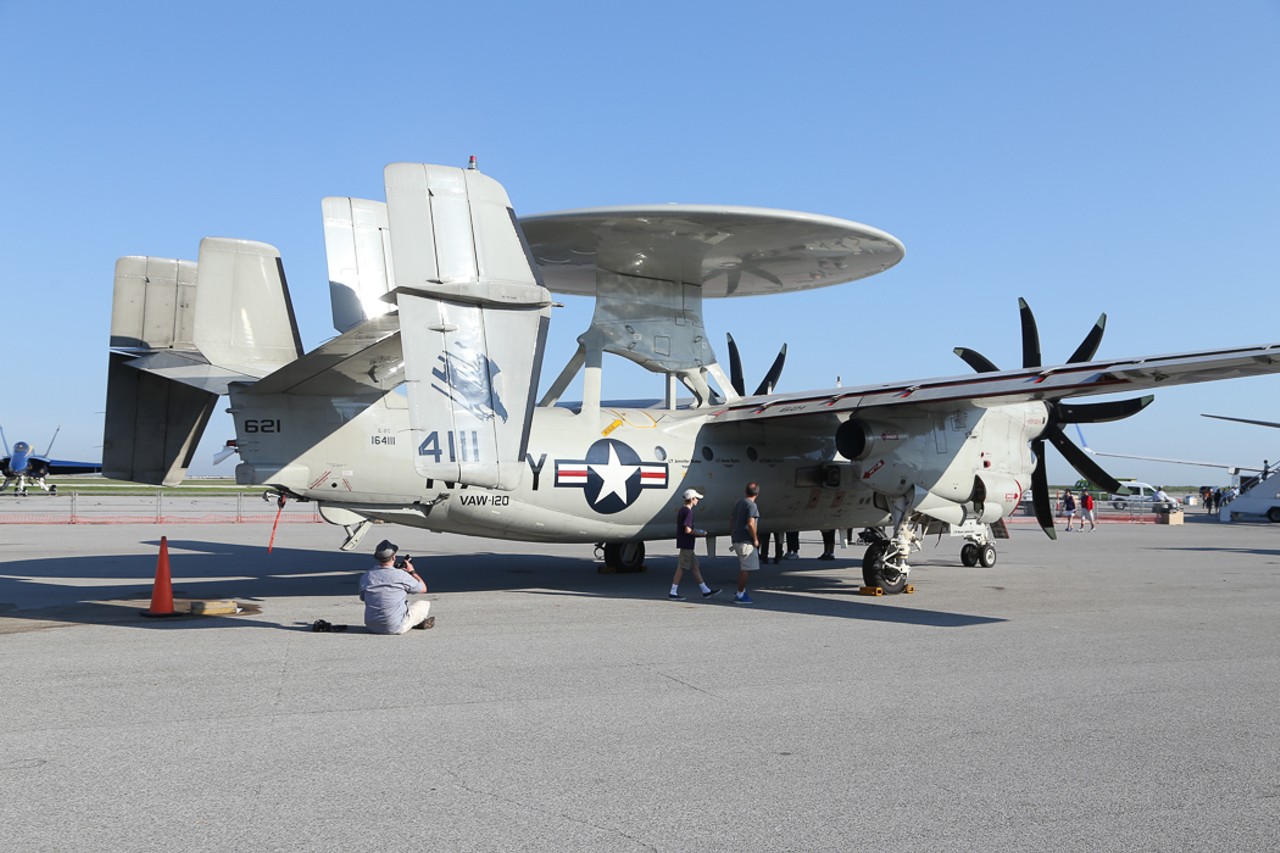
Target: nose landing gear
(978,554)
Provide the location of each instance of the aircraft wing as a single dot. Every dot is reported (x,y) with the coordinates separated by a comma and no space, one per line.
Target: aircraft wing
(1229,468)
(1272,424)
(1058,382)
(66,466)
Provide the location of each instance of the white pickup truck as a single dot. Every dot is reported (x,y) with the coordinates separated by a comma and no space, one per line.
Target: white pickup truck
(1141,495)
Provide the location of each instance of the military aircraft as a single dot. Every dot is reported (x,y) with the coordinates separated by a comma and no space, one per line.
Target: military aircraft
(22,466)
(424,410)
(1257,494)
(1232,469)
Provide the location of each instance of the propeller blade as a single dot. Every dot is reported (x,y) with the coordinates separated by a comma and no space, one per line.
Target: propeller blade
(1030,335)
(732,280)
(735,368)
(1081,461)
(976,360)
(770,380)
(1089,345)
(1098,413)
(1040,491)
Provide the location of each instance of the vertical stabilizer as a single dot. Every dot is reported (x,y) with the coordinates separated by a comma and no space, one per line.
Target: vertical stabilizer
(244,319)
(473,322)
(182,332)
(153,305)
(357,245)
(154,422)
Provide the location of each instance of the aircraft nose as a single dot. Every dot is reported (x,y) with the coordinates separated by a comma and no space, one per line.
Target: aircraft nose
(20,458)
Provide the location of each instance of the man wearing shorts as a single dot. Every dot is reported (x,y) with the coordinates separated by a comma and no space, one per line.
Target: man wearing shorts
(744,538)
(686,538)
(1086,511)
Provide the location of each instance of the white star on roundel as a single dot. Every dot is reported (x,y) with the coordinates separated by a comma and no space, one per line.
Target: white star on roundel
(613,476)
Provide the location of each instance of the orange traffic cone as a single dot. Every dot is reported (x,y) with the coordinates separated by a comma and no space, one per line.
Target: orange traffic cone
(162,591)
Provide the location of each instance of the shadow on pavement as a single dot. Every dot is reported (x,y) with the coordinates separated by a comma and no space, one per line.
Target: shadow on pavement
(112,589)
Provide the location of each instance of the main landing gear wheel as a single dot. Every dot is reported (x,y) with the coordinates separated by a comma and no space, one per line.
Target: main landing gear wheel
(625,556)
(969,554)
(876,573)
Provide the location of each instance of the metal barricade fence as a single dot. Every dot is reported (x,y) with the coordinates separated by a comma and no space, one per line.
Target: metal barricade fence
(158,508)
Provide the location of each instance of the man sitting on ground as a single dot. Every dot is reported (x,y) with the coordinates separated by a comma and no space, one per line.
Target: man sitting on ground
(385,591)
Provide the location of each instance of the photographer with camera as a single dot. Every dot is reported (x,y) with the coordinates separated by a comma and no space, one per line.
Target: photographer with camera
(385,591)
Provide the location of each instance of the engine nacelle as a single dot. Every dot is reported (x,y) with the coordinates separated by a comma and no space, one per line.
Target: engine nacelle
(857,439)
(995,496)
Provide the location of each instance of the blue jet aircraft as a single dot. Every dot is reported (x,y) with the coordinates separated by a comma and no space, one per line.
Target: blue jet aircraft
(22,466)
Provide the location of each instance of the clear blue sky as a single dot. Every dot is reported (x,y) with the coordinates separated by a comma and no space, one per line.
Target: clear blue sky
(1089,156)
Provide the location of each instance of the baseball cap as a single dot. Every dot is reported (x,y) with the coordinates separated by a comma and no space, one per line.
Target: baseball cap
(386,550)
(690,494)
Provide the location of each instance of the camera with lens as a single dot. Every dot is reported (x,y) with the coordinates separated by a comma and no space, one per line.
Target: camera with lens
(400,561)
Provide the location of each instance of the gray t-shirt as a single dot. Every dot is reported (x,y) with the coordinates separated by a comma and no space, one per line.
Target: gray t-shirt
(743,510)
(385,592)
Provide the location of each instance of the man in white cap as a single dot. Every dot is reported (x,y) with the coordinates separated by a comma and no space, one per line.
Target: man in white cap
(385,591)
(686,540)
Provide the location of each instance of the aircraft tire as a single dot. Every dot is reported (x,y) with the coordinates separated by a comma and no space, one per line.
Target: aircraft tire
(875,573)
(1273,515)
(626,556)
(969,554)
(987,556)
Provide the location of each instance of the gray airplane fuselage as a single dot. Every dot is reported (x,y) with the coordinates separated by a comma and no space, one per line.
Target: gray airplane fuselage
(621,477)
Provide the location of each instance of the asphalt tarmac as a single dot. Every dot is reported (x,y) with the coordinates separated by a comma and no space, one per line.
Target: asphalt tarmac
(1115,690)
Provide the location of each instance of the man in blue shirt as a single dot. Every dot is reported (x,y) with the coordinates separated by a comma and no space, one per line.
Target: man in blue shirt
(385,591)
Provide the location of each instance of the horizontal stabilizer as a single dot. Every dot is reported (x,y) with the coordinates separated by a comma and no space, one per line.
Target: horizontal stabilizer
(190,368)
(363,361)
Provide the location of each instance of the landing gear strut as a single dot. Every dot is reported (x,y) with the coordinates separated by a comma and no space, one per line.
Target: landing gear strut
(878,569)
(885,562)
